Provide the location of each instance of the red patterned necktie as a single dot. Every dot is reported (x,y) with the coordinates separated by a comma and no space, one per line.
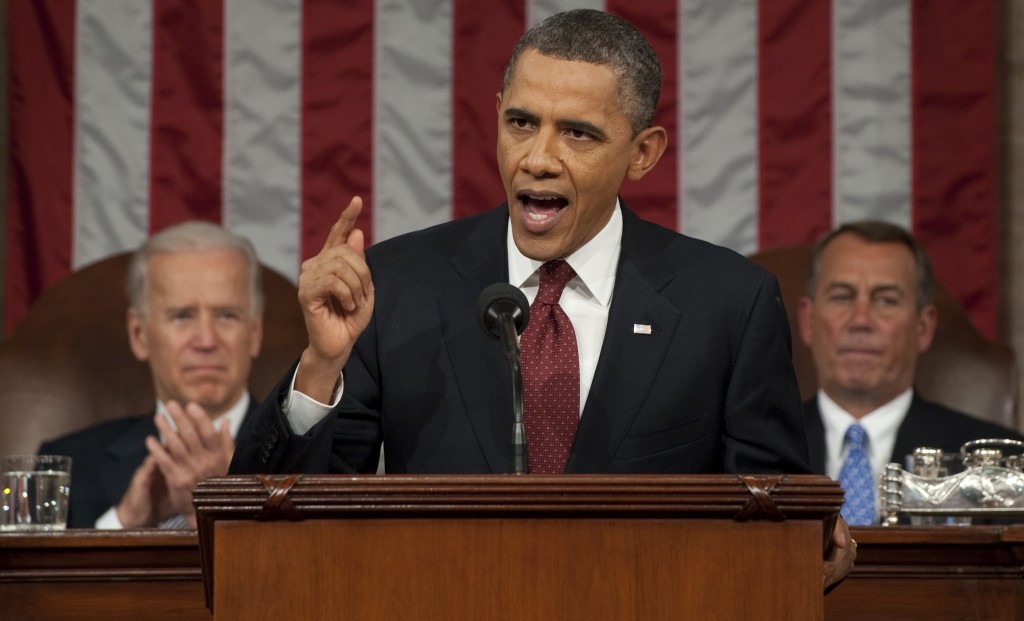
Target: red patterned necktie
(551,374)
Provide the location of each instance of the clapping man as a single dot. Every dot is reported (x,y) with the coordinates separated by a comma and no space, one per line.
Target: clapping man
(195,316)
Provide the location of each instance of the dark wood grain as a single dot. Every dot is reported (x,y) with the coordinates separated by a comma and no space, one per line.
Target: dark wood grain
(903,573)
(89,575)
(936,573)
(507,547)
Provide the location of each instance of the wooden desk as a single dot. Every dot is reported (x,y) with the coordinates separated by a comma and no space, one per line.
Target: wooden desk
(96,575)
(936,573)
(933,574)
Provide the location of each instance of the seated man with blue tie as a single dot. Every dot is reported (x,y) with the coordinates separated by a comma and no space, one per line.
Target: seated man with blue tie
(195,316)
(867,315)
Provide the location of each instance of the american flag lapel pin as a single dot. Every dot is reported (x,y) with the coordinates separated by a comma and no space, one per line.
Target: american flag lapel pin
(641,328)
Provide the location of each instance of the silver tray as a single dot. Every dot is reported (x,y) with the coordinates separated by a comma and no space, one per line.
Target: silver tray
(984,480)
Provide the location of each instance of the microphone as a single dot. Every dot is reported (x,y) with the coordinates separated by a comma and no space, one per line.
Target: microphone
(497,300)
(503,313)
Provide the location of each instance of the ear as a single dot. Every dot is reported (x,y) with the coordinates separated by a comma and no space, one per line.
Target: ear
(804,312)
(497,103)
(650,144)
(137,339)
(927,322)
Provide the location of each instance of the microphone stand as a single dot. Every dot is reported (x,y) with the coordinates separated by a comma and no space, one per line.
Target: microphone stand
(511,347)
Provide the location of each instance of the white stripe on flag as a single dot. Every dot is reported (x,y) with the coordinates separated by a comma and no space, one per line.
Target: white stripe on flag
(539,10)
(412,171)
(871,104)
(262,68)
(682,58)
(113,78)
(718,145)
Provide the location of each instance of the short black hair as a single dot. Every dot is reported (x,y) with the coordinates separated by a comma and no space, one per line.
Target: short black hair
(600,38)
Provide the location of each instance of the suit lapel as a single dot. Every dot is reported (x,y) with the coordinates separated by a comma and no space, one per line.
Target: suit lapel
(912,430)
(245,429)
(629,362)
(126,453)
(481,372)
(815,430)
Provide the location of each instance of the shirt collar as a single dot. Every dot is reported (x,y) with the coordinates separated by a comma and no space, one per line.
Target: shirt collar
(880,423)
(232,417)
(595,262)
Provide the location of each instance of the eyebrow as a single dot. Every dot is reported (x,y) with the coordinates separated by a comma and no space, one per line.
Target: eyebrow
(215,308)
(574,124)
(876,289)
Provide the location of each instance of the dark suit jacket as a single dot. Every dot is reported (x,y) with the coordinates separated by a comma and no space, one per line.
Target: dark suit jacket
(927,424)
(103,460)
(712,389)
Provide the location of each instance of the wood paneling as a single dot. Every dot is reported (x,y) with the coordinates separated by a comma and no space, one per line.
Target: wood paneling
(89,575)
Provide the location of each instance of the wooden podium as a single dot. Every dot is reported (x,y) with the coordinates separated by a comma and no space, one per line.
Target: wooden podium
(507,547)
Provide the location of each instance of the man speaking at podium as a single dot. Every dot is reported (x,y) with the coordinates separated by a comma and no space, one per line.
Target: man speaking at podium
(645,352)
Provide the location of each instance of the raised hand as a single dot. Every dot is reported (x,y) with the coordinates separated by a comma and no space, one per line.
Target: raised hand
(145,500)
(192,451)
(336,296)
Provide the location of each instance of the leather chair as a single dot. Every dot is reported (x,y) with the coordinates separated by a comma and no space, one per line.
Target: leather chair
(68,364)
(962,369)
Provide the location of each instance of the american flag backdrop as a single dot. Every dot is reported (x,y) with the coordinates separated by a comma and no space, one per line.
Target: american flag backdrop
(785,118)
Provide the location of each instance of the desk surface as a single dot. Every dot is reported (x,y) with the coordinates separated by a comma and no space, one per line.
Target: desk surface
(101,575)
(936,573)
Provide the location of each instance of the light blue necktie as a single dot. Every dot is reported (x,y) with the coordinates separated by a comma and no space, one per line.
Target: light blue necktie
(857,479)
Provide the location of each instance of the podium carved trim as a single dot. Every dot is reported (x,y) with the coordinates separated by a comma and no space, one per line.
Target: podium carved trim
(296,497)
(278,504)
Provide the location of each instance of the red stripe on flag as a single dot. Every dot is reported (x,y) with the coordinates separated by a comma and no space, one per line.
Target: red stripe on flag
(337,115)
(40,90)
(654,197)
(954,147)
(483,36)
(795,121)
(187,118)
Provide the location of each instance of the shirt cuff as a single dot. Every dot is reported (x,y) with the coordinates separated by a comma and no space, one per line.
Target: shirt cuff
(303,412)
(109,521)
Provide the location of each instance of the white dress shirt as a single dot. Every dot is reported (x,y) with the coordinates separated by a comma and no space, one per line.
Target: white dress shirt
(586,298)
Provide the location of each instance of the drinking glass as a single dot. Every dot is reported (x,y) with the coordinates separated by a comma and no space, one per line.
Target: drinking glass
(35,492)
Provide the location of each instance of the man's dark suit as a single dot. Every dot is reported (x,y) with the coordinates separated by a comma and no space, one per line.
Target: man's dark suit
(712,389)
(103,460)
(926,424)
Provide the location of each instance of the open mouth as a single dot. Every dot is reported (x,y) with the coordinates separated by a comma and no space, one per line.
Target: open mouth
(540,212)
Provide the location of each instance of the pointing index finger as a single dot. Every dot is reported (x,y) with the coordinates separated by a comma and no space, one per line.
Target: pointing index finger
(345,223)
